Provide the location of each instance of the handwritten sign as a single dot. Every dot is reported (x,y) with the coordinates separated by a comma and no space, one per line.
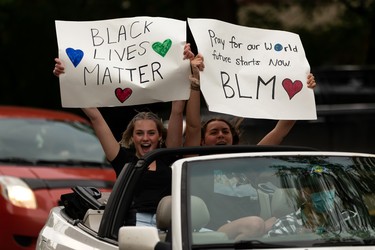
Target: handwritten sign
(120,62)
(251,72)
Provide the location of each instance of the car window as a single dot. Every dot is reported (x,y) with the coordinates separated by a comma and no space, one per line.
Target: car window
(49,140)
(276,187)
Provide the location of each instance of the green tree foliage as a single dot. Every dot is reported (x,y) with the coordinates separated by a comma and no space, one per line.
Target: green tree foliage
(334,32)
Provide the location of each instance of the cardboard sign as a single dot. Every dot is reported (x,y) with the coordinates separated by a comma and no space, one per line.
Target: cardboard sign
(120,62)
(251,72)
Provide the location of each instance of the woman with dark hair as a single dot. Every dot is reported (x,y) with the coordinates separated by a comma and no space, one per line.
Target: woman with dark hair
(316,198)
(219,131)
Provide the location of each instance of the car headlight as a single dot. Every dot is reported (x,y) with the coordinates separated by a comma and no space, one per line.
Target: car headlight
(17,192)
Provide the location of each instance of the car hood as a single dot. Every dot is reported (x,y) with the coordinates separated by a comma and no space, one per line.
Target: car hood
(61,177)
(49,172)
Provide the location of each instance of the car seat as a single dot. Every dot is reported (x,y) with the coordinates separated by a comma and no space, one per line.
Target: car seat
(284,201)
(200,218)
(199,212)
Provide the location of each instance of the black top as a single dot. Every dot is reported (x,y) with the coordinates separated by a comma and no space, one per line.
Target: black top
(124,156)
(154,185)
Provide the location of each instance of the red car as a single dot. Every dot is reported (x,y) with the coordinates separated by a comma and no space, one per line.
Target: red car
(43,154)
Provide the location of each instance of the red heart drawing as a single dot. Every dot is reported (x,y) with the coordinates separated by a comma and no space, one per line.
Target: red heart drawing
(123,94)
(292,88)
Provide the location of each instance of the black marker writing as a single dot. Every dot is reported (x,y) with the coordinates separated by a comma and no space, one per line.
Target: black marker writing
(134,30)
(215,40)
(141,74)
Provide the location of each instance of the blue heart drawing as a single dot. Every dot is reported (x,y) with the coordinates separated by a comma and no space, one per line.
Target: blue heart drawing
(75,55)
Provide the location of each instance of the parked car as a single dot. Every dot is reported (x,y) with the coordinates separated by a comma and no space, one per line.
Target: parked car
(43,154)
(218,185)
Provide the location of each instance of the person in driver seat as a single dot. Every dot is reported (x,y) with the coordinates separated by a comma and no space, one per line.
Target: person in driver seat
(319,209)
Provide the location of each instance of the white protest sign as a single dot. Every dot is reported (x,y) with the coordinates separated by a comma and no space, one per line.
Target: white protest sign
(251,72)
(120,62)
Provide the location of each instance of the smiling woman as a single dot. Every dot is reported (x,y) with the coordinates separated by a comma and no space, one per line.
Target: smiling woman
(144,133)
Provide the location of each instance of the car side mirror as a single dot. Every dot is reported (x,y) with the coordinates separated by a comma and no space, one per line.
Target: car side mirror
(138,238)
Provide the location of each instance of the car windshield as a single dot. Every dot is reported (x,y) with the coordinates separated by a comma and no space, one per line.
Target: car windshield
(316,200)
(48,140)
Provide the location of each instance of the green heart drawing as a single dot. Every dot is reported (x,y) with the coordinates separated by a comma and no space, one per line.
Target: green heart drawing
(162,48)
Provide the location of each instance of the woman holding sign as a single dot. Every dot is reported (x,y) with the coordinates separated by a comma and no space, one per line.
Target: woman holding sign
(144,133)
(219,131)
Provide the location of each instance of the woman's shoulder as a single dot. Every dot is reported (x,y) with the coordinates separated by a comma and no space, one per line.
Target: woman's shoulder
(124,156)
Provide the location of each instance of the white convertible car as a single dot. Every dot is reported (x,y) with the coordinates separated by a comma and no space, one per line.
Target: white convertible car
(319,199)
